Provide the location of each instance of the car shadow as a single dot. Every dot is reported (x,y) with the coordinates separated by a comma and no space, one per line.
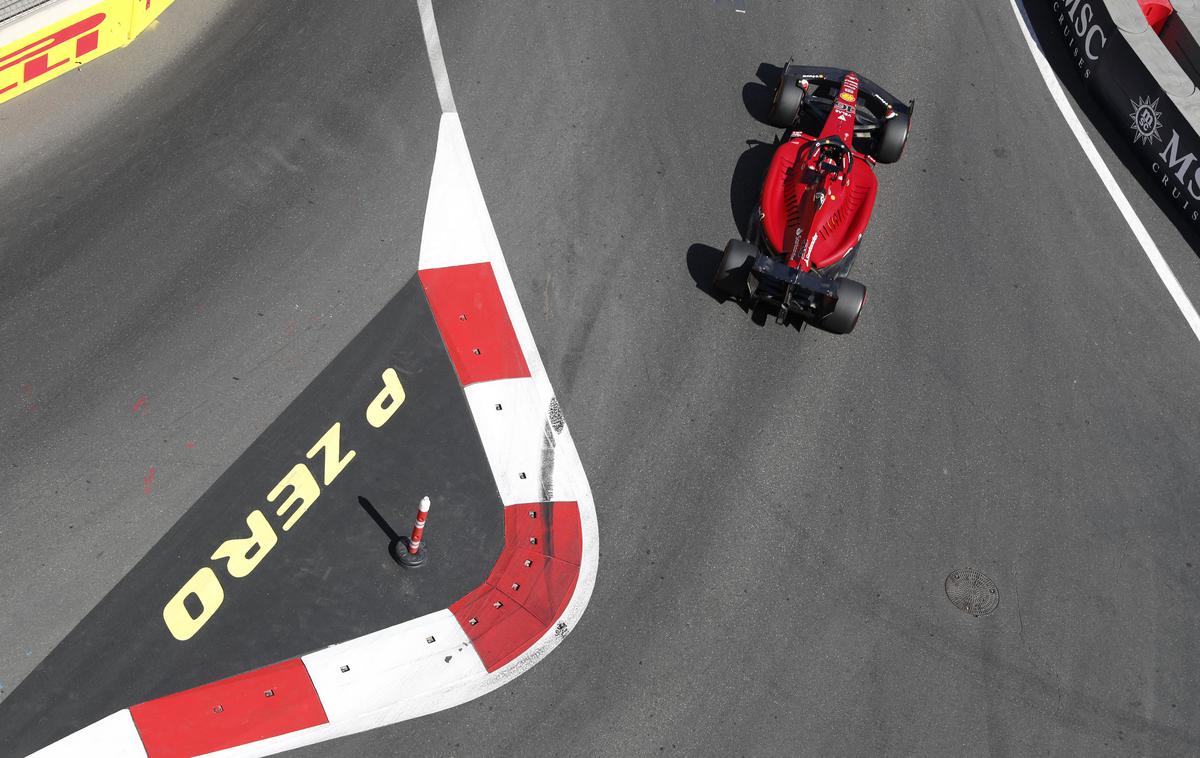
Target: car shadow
(746,183)
(702,262)
(1044,28)
(757,96)
(744,187)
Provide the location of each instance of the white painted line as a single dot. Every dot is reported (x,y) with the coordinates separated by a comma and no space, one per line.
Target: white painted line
(437,61)
(462,190)
(113,736)
(739,6)
(391,675)
(437,251)
(458,229)
(1110,183)
(398,673)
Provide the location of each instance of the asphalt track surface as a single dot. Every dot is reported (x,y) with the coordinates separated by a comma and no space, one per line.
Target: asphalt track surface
(778,509)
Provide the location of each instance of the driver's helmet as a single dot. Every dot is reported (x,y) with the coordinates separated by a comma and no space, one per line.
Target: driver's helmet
(831,158)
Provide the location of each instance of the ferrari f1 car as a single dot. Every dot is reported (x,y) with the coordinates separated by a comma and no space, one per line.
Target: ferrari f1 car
(816,199)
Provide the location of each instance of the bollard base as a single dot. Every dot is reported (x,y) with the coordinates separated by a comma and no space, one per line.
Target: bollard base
(405,558)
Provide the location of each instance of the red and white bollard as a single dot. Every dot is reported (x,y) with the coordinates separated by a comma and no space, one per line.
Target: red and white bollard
(413,554)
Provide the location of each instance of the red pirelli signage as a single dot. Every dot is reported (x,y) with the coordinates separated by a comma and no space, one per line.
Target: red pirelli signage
(66,35)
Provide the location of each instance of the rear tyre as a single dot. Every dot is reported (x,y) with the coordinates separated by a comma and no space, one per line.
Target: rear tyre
(850,300)
(733,273)
(786,105)
(895,136)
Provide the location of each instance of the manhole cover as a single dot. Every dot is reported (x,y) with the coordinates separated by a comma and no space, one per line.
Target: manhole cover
(972,592)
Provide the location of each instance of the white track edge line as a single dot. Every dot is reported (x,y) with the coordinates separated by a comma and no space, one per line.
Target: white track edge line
(114,736)
(1110,183)
(437,61)
(451,134)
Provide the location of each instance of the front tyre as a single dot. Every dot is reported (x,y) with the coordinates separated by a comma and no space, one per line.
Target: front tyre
(851,297)
(733,273)
(785,107)
(895,136)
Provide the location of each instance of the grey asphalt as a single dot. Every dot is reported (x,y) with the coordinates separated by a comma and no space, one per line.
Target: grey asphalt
(778,510)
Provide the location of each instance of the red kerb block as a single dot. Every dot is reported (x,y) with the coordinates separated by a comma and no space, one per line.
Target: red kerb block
(253,706)
(474,322)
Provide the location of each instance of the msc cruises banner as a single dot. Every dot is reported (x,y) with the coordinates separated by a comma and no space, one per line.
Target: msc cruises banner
(1164,141)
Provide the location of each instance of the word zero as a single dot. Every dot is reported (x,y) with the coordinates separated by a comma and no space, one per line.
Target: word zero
(241,555)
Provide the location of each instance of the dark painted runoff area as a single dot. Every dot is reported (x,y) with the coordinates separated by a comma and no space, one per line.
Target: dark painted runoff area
(329,578)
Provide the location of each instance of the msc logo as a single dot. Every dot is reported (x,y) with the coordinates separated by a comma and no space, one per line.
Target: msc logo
(67,45)
(292,496)
(1184,170)
(1147,120)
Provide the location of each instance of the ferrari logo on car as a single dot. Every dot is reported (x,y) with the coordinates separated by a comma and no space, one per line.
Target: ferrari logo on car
(1147,120)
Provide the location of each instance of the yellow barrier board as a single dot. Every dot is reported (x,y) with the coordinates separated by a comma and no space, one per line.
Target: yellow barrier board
(72,40)
(143,13)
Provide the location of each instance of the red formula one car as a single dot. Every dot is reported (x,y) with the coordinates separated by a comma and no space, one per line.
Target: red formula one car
(817,197)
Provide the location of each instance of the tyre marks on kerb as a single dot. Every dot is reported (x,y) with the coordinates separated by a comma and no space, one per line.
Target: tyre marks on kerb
(560,473)
(1110,183)
(519,419)
(547,469)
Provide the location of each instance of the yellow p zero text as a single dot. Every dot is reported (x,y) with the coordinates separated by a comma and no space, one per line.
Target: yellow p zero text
(291,498)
